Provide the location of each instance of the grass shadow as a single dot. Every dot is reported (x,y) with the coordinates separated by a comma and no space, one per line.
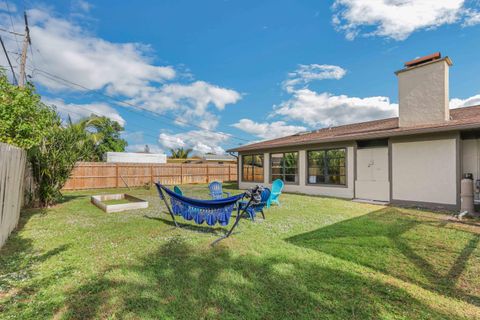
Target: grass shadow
(407,246)
(18,261)
(180,282)
(189,226)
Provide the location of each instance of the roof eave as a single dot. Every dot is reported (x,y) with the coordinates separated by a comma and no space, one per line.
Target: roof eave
(371,135)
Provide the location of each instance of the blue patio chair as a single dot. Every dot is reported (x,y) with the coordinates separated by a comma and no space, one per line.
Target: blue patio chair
(252,209)
(216,190)
(277,187)
(178,191)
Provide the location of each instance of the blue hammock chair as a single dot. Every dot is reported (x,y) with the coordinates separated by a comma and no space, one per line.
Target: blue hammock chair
(200,211)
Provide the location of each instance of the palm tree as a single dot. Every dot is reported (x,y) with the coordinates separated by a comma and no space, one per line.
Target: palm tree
(103,135)
(180,153)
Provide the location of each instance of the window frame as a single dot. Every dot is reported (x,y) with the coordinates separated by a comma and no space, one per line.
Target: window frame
(252,166)
(283,174)
(335,185)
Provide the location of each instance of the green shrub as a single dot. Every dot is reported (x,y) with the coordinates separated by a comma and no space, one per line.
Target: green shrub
(54,158)
(53,148)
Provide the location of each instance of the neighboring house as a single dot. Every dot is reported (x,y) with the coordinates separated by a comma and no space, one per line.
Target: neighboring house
(220,159)
(135,157)
(208,158)
(183,160)
(416,159)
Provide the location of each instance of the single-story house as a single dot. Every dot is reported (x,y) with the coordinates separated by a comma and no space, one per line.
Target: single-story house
(208,158)
(219,158)
(418,158)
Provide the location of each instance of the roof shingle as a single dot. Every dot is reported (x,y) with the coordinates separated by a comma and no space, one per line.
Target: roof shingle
(461,118)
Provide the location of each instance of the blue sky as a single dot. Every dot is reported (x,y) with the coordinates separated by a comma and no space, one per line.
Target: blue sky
(236,71)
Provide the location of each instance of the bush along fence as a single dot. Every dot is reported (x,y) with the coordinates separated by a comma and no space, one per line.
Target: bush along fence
(12,171)
(93,175)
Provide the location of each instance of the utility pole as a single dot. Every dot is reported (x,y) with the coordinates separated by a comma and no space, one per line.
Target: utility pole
(8,60)
(23,61)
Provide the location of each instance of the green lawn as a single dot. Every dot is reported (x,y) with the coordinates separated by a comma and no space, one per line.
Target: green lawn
(312,258)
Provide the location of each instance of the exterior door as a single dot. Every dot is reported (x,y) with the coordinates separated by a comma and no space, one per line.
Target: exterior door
(372,181)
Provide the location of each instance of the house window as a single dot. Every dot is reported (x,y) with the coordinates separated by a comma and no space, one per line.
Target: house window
(327,167)
(284,166)
(252,168)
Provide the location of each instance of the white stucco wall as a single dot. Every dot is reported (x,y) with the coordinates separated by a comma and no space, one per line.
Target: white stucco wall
(302,187)
(372,174)
(423,94)
(425,171)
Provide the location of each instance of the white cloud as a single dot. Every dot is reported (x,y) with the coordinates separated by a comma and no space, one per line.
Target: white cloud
(472,17)
(190,101)
(125,70)
(8,6)
(267,130)
(468,102)
(397,19)
(82,5)
(199,140)
(66,50)
(320,109)
(121,69)
(324,109)
(79,111)
(307,73)
(135,137)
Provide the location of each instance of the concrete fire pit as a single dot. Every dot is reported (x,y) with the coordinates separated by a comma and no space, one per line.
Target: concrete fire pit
(106,202)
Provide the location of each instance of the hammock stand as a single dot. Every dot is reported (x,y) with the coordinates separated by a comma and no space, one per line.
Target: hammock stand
(200,211)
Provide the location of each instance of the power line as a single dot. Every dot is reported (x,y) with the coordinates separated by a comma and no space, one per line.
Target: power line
(27,41)
(104,115)
(96,113)
(69,83)
(13,26)
(135,111)
(11,32)
(130,123)
(8,60)
(135,106)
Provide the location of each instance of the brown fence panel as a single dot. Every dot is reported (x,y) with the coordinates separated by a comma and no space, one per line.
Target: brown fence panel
(96,175)
(90,175)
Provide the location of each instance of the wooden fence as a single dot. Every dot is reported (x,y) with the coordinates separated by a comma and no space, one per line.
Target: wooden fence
(94,175)
(12,170)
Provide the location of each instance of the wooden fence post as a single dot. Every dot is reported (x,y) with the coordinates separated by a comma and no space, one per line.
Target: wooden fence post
(208,176)
(151,175)
(116,175)
(229,167)
(181,173)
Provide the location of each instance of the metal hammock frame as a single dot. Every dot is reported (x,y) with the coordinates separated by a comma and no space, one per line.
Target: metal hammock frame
(210,211)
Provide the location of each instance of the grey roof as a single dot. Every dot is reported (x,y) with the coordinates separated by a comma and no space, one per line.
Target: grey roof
(219,157)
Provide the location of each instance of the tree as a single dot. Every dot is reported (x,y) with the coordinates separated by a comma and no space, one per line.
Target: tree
(103,135)
(54,158)
(53,148)
(24,119)
(180,153)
